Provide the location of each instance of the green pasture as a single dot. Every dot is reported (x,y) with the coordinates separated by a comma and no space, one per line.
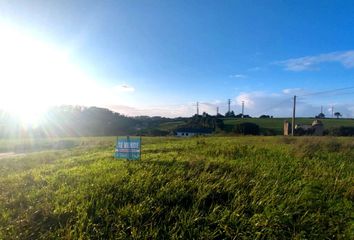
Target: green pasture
(170,126)
(276,124)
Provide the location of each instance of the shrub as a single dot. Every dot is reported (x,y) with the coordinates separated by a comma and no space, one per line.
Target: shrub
(269,132)
(303,132)
(341,131)
(152,132)
(158,132)
(246,128)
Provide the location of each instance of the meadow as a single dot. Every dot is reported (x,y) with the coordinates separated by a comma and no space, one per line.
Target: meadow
(196,188)
(275,125)
(268,126)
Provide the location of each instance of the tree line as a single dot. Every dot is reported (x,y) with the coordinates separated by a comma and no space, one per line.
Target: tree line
(72,121)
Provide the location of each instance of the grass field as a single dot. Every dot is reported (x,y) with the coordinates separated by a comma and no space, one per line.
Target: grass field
(276,124)
(197,188)
(170,126)
(265,124)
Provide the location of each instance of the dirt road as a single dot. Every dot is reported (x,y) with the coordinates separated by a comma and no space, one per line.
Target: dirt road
(10,154)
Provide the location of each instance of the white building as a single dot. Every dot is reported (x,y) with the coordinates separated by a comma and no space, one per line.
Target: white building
(190,132)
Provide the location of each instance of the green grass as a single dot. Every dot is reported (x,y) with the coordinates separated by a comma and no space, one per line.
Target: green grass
(170,126)
(197,188)
(273,124)
(27,145)
(276,124)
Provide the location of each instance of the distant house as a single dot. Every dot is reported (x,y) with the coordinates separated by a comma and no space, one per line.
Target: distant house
(315,129)
(190,132)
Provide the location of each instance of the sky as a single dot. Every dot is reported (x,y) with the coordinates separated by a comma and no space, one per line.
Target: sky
(161,57)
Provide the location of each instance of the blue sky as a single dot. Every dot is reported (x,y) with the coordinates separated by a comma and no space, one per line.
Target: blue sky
(166,55)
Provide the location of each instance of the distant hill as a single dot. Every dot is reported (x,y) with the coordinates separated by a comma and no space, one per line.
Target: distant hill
(73,121)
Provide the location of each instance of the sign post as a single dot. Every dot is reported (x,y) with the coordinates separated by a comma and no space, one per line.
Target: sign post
(128,148)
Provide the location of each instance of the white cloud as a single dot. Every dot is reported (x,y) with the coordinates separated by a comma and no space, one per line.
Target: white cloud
(278,104)
(183,110)
(293,90)
(124,88)
(306,63)
(254,69)
(178,110)
(240,76)
(259,102)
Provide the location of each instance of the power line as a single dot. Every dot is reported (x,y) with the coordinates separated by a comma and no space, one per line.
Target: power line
(326,92)
(341,94)
(279,103)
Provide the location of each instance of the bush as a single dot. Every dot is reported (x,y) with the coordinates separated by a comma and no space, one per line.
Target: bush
(158,132)
(341,131)
(303,132)
(152,132)
(246,128)
(269,132)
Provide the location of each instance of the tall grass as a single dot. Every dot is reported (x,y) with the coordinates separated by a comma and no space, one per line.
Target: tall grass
(198,188)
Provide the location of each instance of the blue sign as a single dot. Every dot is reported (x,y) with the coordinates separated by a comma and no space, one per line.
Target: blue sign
(128,148)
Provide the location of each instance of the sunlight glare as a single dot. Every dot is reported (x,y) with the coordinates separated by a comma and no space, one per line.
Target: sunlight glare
(35,75)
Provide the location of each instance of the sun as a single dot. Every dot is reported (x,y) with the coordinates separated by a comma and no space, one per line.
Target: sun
(35,75)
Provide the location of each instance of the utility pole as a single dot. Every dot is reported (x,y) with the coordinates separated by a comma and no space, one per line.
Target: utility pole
(332,111)
(229,103)
(293,120)
(197,108)
(217,111)
(243,108)
(321,109)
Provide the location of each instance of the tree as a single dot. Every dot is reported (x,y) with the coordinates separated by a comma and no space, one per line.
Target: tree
(337,114)
(220,124)
(321,115)
(230,114)
(246,128)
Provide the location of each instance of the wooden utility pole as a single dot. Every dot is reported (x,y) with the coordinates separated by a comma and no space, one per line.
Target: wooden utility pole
(197,108)
(332,111)
(293,120)
(243,108)
(229,103)
(217,111)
